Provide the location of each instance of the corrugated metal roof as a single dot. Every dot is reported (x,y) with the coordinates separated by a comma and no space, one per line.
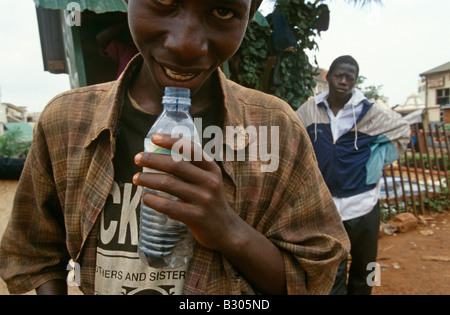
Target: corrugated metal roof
(102,6)
(98,6)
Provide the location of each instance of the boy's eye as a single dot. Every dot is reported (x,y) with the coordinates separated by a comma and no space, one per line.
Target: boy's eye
(166,2)
(222,13)
(342,76)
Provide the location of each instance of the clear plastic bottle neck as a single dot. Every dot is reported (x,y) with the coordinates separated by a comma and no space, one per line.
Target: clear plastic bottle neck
(176,98)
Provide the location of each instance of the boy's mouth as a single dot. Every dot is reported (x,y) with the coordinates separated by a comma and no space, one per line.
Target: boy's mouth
(178,76)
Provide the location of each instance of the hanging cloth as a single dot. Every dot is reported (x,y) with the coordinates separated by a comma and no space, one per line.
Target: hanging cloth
(282,35)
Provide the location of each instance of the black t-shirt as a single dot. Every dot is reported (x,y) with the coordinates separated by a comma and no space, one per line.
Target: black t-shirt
(119,269)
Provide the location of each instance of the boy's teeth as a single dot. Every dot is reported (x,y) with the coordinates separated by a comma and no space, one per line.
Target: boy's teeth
(179,76)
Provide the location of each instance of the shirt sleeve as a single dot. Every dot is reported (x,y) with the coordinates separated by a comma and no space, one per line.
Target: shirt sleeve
(393,137)
(33,249)
(308,229)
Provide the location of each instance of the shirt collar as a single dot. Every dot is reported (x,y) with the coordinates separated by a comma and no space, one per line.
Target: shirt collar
(356,99)
(109,108)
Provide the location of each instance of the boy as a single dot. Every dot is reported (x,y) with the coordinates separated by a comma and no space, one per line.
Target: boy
(353,140)
(270,232)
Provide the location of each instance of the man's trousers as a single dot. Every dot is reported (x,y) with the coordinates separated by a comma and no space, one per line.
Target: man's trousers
(363,233)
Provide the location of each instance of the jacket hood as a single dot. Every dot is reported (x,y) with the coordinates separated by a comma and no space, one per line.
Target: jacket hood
(355,100)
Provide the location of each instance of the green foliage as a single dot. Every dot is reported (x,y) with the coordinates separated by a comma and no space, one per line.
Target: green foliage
(370,91)
(253,64)
(248,64)
(440,203)
(447,128)
(13,145)
(433,159)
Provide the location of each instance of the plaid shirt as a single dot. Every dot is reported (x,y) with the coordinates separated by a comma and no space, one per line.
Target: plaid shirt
(69,174)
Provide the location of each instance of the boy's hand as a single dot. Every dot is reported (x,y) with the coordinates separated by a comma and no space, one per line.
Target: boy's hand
(203,207)
(197,183)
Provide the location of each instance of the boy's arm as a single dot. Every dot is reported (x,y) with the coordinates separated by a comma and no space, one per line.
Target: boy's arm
(33,249)
(393,137)
(53,287)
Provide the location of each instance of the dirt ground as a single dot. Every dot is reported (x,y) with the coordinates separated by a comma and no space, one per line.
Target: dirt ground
(416,262)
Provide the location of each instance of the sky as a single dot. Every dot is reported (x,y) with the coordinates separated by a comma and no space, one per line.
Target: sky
(23,81)
(392,43)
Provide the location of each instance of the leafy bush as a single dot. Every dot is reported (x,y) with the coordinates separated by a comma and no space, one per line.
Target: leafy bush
(13,145)
(433,159)
(440,203)
(253,64)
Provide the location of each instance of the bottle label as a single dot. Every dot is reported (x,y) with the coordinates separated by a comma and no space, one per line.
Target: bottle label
(153,148)
(149,146)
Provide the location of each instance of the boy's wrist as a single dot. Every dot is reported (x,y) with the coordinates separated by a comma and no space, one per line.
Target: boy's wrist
(53,287)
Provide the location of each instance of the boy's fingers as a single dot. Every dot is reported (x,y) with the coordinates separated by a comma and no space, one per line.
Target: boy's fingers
(182,147)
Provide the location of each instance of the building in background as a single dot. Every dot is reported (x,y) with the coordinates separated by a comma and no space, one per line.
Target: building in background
(413,103)
(321,81)
(10,113)
(437,92)
(68,32)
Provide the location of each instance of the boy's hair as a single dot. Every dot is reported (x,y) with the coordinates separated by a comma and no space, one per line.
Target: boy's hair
(347,59)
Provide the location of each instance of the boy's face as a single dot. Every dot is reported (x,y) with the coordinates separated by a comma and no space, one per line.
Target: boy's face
(184,41)
(342,80)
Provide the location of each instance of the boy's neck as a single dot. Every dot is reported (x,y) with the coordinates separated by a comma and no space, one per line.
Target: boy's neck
(336,104)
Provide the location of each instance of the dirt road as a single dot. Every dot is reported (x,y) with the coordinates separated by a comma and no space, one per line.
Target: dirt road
(418,261)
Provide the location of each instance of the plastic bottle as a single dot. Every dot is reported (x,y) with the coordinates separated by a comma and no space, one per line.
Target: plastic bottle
(164,242)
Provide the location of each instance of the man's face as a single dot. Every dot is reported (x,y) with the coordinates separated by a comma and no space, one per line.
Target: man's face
(342,80)
(184,41)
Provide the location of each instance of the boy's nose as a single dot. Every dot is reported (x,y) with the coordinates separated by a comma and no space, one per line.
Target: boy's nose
(188,40)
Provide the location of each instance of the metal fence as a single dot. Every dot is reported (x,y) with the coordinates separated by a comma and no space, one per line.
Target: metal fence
(417,182)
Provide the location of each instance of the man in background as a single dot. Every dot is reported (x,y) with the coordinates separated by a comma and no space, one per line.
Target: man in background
(354,141)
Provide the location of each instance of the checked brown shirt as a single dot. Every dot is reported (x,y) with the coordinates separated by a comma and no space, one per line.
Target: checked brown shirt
(69,174)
